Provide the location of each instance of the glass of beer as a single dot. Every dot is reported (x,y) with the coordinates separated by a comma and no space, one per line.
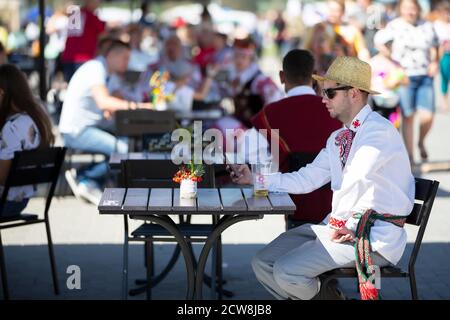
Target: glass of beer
(260,171)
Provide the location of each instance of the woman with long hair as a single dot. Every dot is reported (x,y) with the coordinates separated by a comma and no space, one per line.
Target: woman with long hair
(24,125)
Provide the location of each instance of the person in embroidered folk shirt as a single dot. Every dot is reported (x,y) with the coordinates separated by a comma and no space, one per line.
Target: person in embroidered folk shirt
(368,166)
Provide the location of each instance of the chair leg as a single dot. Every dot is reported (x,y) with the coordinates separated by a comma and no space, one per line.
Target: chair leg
(3,270)
(214,271)
(412,283)
(150,266)
(52,258)
(125,261)
(219,269)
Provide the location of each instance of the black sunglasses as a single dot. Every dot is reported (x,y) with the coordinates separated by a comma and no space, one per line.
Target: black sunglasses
(330,93)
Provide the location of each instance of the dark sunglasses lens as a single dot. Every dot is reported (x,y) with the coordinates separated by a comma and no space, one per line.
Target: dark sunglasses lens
(330,93)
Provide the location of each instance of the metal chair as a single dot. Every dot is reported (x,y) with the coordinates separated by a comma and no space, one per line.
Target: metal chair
(158,174)
(31,168)
(135,124)
(298,160)
(425,193)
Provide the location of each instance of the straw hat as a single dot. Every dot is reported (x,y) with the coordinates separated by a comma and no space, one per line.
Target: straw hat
(349,71)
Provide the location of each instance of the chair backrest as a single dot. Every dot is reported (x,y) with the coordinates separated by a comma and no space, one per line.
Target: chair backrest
(158,174)
(298,160)
(32,167)
(424,198)
(134,123)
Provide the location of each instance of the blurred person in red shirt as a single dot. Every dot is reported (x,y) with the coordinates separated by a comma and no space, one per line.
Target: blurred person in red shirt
(81,43)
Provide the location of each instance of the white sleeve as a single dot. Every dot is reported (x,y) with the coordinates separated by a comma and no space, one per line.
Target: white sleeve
(95,74)
(10,141)
(305,180)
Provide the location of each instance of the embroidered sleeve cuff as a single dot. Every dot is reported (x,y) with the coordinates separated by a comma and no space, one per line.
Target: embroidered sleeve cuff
(336,223)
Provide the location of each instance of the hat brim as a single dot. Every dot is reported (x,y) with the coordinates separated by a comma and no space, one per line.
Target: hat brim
(321,79)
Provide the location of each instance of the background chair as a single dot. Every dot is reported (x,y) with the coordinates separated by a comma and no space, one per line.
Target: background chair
(136,124)
(158,174)
(298,160)
(31,168)
(425,193)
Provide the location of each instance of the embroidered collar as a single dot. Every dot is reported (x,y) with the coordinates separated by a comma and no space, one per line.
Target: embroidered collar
(360,118)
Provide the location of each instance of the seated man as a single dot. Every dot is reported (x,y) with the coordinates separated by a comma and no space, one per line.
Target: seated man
(86,107)
(371,179)
(306,130)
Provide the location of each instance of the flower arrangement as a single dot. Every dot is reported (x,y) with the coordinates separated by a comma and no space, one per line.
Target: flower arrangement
(157,84)
(193,172)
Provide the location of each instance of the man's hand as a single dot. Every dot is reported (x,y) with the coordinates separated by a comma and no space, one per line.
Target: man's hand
(240,173)
(342,235)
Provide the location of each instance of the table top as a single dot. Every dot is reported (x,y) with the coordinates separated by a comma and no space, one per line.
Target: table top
(223,201)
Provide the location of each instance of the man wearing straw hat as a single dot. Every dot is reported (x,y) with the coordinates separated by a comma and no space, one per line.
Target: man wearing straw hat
(373,192)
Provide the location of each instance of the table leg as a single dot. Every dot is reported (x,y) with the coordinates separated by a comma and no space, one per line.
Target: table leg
(167,223)
(224,223)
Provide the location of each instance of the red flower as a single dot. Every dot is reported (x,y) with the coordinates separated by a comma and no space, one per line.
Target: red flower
(192,173)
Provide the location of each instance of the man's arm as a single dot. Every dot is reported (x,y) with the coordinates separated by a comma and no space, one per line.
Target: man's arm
(107,102)
(305,180)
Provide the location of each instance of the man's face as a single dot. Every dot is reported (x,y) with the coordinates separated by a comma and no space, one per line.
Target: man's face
(242,59)
(409,11)
(339,105)
(118,60)
(335,12)
(173,49)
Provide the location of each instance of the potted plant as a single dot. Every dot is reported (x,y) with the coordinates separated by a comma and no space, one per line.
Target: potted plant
(188,177)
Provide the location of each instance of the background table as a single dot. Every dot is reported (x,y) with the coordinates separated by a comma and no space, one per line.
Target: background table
(156,204)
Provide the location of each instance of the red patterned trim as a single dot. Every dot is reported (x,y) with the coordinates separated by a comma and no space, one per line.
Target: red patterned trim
(336,223)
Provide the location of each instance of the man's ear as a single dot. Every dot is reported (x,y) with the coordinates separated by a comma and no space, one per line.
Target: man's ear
(282,77)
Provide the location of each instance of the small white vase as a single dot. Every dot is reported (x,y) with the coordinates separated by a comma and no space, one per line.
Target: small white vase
(188,189)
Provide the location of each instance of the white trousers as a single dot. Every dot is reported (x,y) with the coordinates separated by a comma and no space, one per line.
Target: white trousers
(289,266)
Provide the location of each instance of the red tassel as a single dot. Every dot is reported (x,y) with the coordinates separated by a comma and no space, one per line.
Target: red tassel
(368,291)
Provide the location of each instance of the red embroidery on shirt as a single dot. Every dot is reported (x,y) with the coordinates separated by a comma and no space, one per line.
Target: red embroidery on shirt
(356,123)
(335,223)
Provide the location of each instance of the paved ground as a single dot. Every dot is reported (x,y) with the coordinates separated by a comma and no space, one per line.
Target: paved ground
(94,243)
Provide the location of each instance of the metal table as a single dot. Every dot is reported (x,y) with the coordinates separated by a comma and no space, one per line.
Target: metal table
(156,204)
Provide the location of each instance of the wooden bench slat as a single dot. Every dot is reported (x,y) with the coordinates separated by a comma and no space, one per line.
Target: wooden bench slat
(281,202)
(232,200)
(208,200)
(256,203)
(112,199)
(183,204)
(160,199)
(136,199)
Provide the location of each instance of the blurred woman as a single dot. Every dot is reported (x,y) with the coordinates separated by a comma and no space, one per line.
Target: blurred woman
(442,27)
(24,126)
(415,48)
